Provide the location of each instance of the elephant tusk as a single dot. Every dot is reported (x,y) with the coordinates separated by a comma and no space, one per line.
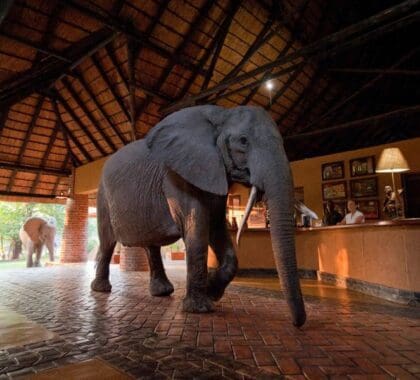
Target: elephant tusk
(249,205)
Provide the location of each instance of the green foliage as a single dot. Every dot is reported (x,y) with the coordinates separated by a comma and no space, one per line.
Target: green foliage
(93,239)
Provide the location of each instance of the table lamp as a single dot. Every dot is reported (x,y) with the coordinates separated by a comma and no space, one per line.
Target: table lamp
(392,161)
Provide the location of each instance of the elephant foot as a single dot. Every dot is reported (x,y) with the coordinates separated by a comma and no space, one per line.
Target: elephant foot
(160,287)
(201,304)
(37,264)
(101,285)
(216,285)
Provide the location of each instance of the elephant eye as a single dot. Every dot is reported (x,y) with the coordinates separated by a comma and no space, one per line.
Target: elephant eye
(243,140)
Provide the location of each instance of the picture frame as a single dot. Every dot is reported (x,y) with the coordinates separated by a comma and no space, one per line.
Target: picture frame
(364,188)
(332,170)
(334,190)
(370,208)
(362,166)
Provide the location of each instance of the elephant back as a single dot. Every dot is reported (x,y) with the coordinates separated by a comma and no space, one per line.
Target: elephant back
(33,227)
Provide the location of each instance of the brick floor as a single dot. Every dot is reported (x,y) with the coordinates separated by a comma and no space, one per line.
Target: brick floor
(249,336)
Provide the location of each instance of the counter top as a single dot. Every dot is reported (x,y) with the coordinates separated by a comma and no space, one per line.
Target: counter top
(382,223)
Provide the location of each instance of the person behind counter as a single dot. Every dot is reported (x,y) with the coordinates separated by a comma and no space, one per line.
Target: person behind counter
(354,216)
(331,215)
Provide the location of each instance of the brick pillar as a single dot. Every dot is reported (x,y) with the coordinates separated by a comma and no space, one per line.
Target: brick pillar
(133,259)
(75,234)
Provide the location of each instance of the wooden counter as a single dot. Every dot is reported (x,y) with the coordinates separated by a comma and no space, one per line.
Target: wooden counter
(380,258)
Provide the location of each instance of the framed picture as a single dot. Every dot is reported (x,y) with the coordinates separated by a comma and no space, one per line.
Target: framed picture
(369,208)
(366,187)
(334,190)
(333,170)
(362,166)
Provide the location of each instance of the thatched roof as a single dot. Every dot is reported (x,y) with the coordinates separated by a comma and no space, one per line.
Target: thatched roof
(79,79)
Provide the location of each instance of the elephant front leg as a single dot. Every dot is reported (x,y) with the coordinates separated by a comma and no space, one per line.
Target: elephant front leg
(38,253)
(29,262)
(222,246)
(196,243)
(159,284)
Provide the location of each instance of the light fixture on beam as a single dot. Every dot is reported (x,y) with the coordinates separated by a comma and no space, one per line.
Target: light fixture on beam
(269,85)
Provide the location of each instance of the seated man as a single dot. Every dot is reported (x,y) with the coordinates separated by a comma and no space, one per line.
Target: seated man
(331,215)
(354,216)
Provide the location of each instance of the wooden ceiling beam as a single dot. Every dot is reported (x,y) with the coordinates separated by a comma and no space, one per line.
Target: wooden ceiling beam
(132,50)
(38,47)
(35,170)
(195,74)
(79,123)
(219,45)
(338,41)
(82,106)
(31,127)
(362,89)
(5,6)
(41,77)
(111,88)
(67,133)
(292,38)
(45,157)
(356,123)
(122,26)
(315,79)
(26,195)
(374,71)
(79,76)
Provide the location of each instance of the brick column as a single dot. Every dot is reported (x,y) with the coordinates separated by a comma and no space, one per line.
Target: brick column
(133,259)
(75,234)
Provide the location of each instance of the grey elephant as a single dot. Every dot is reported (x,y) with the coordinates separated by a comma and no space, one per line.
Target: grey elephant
(174,183)
(34,234)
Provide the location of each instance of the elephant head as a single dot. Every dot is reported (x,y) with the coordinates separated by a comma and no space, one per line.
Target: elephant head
(41,232)
(211,147)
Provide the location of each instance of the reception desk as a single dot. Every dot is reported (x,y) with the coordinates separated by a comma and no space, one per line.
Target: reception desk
(381,259)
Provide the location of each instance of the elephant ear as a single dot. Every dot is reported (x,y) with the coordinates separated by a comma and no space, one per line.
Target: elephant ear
(185,142)
(33,227)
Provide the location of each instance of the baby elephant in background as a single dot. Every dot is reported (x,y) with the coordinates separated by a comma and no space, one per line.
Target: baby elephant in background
(34,234)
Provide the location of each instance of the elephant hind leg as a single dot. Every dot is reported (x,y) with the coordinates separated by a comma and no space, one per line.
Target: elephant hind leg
(159,284)
(106,248)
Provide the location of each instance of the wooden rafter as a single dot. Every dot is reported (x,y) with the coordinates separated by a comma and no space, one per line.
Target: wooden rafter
(111,88)
(78,75)
(348,70)
(47,152)
(82,106)
(195,73)
(67,134)
(132,49)
(41,77)
(356,123)
(79,123)
(282,53)
(315,79)
(22,148)
(362,89)
(220,43)
(121,26)
(346,38)
(5,6)
(33,169)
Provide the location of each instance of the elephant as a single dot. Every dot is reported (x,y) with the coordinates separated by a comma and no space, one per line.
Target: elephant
(36,232)
(174,183)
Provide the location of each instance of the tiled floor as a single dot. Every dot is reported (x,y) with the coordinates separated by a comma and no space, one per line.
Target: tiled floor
(347,335)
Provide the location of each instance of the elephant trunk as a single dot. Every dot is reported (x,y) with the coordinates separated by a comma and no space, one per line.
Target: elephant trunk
(279,193)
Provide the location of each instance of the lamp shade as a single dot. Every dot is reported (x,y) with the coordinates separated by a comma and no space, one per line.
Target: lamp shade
(392,161)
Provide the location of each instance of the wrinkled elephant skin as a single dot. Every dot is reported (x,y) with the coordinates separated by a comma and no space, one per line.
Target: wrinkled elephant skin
(174,184)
